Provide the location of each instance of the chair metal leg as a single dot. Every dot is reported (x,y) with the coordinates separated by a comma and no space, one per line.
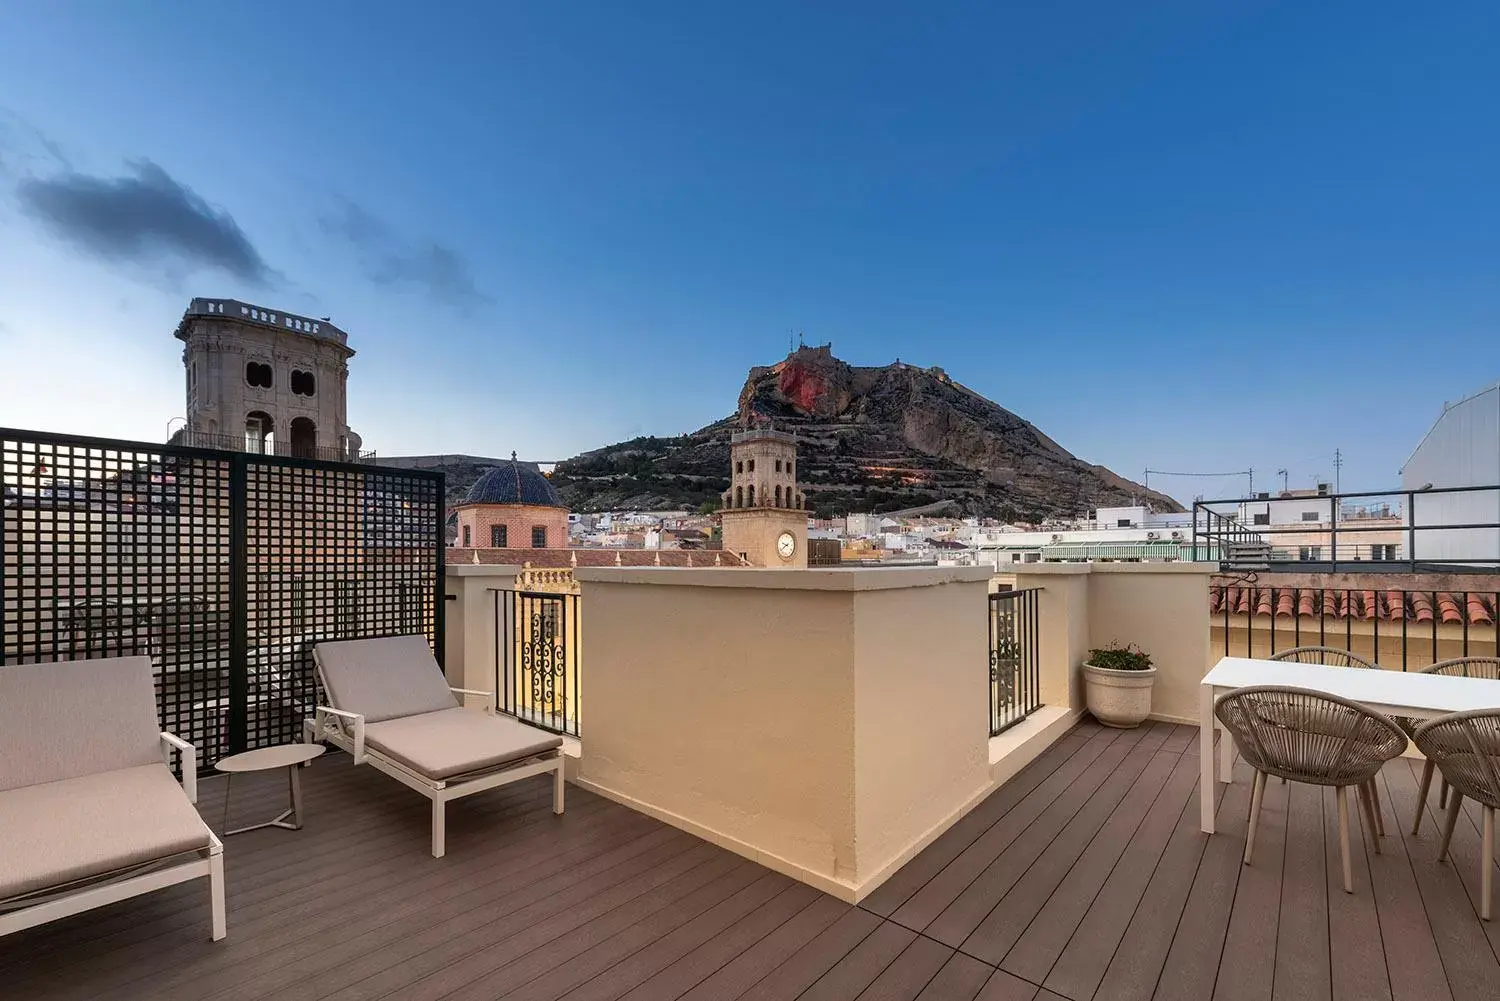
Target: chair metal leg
(1375,802)
(439,818)
(1257,793)
(1455,799)
(1343,798)
(1367,807)
(1487,859)
(1427,769)
(216,894)
(1443,791)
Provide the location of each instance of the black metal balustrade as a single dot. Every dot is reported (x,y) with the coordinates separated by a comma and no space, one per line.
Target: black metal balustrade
(1437,529)
(1410,628)
(243,443)
(537,657)
(223,567)
(1015,661)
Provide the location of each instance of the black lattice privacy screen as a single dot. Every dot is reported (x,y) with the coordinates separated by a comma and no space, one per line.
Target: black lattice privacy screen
(223,567)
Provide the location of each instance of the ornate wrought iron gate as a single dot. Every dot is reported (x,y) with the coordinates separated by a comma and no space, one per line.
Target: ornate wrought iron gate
(537,656)
(223,567)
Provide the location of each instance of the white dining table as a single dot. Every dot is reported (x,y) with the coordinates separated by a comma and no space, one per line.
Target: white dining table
(1395,693)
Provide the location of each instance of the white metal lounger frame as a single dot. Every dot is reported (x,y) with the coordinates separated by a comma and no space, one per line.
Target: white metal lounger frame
(63,903)
(346,731)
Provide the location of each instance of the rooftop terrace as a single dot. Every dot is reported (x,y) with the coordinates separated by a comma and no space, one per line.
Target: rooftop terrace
(1083,877)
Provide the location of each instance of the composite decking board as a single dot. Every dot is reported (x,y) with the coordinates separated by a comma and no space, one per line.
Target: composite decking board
(1414,965)
(799,971)
(960,979)
(754,964)
(1136,846)
(911,877)
(677,978)
(849,977)
(910,973)
(1100,754)
(1103,788)
(1302,971)
(1114,894)
(1356,953)
(1106,823)
(1449,896)
(1247,965)
(1192,963)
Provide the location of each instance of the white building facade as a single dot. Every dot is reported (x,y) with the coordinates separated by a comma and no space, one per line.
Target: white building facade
(1461,450)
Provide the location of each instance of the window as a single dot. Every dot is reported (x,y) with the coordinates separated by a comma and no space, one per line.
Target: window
(778,495)
(1261,519)
(1380,551)
(739,467)
(258,374)
(739,496)
(1309,516)
(778,465)
(752,495)
(497,536)
(1015,557)
(466,536)
(789,468)
(303,383)
(750,465)
(1122,523)
(1310,553)
(539,537)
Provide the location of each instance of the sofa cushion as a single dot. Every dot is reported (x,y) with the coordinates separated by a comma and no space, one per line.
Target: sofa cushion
(71,718)
(455,742)
(59,832)
(383,678)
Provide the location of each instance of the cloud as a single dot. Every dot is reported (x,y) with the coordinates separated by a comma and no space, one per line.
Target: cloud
(145,218)
(391,260)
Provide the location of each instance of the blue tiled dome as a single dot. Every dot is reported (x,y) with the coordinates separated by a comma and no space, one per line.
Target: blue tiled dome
(513,483)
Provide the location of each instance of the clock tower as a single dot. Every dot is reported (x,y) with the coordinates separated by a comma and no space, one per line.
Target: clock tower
(762,513)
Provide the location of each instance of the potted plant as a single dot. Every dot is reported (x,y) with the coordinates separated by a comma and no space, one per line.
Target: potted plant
(1117,685)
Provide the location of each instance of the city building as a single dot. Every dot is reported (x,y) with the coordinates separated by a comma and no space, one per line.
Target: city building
(762,516)
(512,506)
(260,380)
(1462,449)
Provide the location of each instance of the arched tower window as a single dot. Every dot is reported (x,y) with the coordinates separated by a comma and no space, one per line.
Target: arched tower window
(739,496)
(751,495)
(778,495)
(303,383)
(259,432)
(304,435)
(258,374)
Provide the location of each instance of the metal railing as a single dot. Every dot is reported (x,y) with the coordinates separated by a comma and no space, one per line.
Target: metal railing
(537,657)
(1015,662)
(1455,529)
(241,443)
(1410,628)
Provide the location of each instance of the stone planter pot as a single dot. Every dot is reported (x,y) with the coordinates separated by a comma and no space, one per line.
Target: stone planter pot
(1118,698)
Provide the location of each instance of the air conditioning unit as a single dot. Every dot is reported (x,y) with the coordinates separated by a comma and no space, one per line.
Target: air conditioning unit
(1153,536)
(1177,535)
(1056,538)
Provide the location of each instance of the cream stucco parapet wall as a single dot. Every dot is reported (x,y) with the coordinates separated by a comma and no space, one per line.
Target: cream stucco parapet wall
(469,623)
(1160,607)
(827,723)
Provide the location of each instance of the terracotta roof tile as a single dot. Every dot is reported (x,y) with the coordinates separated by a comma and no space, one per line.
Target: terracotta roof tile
(1450,607)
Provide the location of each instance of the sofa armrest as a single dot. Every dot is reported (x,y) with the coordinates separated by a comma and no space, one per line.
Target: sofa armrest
(356,726)
(189,758)
(489,697)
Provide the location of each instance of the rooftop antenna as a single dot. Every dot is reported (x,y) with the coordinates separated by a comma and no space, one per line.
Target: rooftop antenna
(1282,473)
(1338,465)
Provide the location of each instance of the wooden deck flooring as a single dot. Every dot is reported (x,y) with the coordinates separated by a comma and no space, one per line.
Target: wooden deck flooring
(1085,877)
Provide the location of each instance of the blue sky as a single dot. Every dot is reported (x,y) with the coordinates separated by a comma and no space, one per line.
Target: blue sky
(1183,235)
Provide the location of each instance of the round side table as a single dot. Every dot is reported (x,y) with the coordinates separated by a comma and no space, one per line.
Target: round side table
(288,756)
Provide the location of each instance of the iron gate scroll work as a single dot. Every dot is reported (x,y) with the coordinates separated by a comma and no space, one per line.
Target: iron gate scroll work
(537,658)
(1015,668)
(223,567)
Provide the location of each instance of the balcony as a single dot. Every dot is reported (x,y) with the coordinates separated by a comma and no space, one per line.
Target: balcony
(781,784)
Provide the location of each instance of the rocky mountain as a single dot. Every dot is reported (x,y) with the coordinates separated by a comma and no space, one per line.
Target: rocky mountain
(886,438)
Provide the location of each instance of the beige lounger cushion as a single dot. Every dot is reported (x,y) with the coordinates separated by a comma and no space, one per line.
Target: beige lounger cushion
(59,721)
(58,832)
(383,678)
(454,742)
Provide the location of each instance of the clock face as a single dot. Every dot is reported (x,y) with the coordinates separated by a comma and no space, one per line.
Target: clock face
(786,545)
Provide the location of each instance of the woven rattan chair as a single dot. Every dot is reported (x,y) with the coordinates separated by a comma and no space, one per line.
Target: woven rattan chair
(1306,736)
(1328,656)
(1460,667)
(1466,748)
(1332,656)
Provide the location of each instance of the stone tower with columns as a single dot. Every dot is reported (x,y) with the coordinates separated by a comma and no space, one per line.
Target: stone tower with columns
(262,380)
(762,511)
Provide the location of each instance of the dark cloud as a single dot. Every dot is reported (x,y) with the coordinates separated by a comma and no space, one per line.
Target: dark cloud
(144,218)
(388,259)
